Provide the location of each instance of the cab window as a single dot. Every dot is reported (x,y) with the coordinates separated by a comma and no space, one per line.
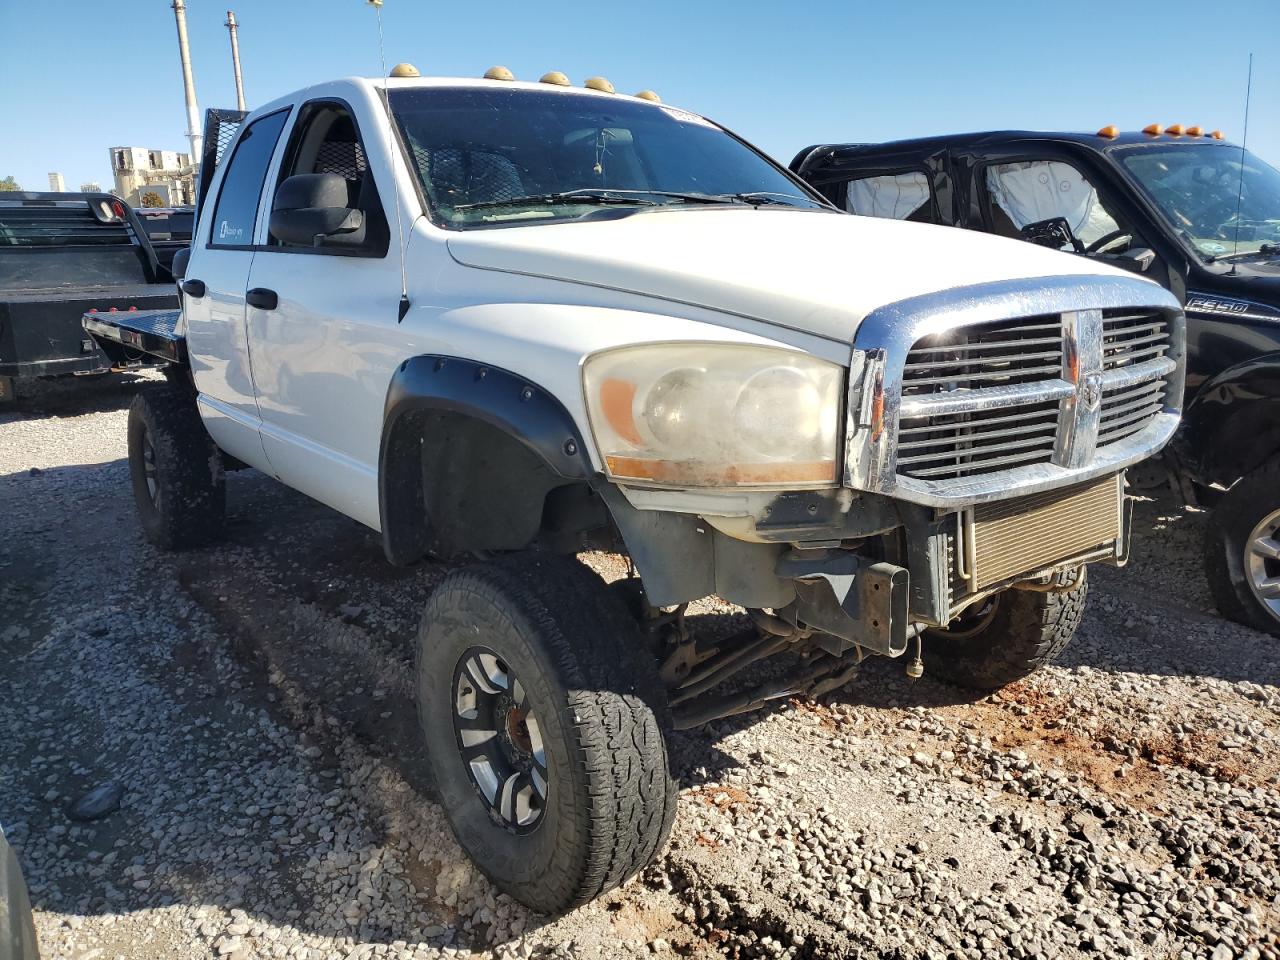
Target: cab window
(1052,203)
(236,212)
(326,139)
(893,196)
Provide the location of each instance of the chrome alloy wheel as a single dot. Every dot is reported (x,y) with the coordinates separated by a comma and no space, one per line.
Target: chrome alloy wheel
(499,739)
(1262,563)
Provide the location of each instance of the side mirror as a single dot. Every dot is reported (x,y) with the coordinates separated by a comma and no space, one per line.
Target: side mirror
(180,260)
(311,208)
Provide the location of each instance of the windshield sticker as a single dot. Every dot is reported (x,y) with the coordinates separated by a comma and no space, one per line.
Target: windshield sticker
(684,116)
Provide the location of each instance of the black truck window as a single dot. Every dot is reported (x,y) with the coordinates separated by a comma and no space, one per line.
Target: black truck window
(326,139)
(1024,195)
(895,196)
(237,208)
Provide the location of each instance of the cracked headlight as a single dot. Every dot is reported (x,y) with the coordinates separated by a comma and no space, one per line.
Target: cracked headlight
(715,415)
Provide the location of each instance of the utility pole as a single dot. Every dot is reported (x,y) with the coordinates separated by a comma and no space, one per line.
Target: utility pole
(233,28)
(188,83)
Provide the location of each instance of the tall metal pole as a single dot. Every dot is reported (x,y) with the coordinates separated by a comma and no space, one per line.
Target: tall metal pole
(235,56)
(189,84)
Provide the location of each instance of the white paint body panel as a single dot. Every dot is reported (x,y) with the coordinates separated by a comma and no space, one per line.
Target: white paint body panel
(535,300)
(812,271)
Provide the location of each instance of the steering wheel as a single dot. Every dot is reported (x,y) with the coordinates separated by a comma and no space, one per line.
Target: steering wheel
(1108,240)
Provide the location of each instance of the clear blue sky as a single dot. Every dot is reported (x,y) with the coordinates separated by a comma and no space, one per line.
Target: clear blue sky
(80,76)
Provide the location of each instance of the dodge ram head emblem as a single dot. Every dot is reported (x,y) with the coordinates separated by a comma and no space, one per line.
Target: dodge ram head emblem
(1091,391)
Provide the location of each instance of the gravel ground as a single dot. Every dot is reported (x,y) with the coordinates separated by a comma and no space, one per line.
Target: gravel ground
(253,702)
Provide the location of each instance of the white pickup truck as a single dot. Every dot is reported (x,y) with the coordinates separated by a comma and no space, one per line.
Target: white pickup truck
(508,322)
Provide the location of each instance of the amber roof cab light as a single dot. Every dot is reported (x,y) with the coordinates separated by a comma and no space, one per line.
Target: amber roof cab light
(1174,130)
(1153,129)
(1110,131)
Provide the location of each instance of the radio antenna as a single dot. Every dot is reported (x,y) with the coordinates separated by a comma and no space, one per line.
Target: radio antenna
(395,179)
(1244,141)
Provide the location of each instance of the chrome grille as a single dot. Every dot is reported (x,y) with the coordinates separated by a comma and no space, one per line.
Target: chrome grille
(1130,338)
(989,398)
(1015,351)
(939,446)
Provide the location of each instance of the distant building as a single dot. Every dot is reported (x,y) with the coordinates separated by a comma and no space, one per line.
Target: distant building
(93,186)
(56,183)
(153,178)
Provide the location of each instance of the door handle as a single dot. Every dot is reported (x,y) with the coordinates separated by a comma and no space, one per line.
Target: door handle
(193,288)
(262,298)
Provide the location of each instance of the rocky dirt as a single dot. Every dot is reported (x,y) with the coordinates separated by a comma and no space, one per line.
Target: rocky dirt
(253,702)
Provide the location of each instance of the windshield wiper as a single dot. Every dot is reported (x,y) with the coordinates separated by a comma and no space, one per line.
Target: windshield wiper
(758,197)
(587,196)
(1265,252)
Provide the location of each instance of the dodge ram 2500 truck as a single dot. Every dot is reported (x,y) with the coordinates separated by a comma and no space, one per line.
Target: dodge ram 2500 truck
(1180,205)
(516,321)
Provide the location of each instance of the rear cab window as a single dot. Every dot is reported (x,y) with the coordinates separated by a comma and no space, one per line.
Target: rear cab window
(236,211)
(901,195)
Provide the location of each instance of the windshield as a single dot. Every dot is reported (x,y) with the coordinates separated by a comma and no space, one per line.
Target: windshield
(505,157)
(1198,187)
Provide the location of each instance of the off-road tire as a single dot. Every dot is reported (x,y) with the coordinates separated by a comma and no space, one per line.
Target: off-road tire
(1028,629)
(603,719)
(1232,521)
(189,505)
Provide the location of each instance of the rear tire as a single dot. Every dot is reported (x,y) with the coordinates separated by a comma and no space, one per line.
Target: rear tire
(535,651)
(997,645)
(1243,531)
(175,469)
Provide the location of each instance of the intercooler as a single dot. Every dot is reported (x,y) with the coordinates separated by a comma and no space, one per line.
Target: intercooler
(1011,538)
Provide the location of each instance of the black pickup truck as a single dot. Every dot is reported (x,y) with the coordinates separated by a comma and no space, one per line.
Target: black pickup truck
(1185,208)
(62,255)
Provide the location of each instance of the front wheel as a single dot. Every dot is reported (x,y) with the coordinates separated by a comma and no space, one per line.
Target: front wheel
(1006,637)
(544,723)
(1242,551)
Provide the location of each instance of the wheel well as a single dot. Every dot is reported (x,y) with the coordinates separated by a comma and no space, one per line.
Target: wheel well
(1242,441)
(455,485)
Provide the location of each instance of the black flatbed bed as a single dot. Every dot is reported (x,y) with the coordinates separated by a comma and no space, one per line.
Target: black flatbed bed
(153,332)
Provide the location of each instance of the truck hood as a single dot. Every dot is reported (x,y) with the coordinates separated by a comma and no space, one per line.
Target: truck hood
(817,272)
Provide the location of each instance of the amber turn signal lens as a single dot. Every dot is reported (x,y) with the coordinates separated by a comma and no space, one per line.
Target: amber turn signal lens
(617,402)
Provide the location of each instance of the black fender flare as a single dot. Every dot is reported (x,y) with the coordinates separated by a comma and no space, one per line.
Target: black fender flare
(430,385)
(1232,425)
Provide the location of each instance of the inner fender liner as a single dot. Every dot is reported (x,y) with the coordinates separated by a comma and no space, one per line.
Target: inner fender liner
(494,443)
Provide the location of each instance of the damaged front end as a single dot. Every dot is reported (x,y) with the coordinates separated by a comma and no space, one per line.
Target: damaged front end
(987,435)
